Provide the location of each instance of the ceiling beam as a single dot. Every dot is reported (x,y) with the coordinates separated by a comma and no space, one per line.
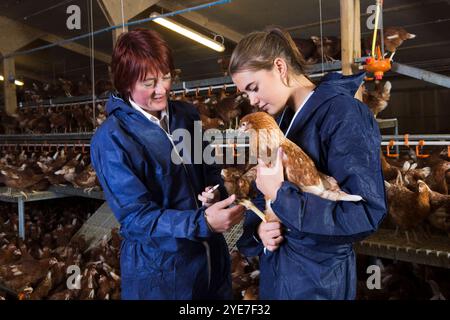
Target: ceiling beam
(131,8)
(385,10)
(16,35)
(202,20)
(78,48)
(36,64)
(32,75)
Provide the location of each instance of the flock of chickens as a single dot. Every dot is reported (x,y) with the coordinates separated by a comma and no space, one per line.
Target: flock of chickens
(402,281)
(36,171)
(220,111)
(38,267)
(418,193)
(329,47)
(77,118)
(36,93)
(244,277)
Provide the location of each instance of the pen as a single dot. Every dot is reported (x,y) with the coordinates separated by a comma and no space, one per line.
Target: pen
(213,188)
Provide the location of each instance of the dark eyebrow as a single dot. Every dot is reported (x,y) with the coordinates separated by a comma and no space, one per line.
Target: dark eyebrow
(247,87)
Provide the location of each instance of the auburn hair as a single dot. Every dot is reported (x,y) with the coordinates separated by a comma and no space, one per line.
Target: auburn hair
(137,53)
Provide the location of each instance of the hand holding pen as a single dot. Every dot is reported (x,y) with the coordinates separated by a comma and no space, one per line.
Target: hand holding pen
(209,196)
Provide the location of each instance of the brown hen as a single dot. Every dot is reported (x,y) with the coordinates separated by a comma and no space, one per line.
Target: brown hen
(406,208)
(298,166)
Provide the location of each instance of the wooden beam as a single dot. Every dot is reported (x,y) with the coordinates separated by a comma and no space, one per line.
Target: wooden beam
(131,8)
(9,88)
(357,38)
(15,35)
(78,48)
(36,64)
(385,10)
(347,29)
(33,75)
(202,20)
(113,12)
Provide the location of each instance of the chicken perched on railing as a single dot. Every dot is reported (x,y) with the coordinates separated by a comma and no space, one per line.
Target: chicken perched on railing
(393,38)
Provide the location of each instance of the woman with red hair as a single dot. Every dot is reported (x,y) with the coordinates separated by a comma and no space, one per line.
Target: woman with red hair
(172,244)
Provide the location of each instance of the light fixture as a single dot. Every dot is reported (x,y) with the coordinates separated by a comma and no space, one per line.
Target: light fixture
(187,32)
(16,82)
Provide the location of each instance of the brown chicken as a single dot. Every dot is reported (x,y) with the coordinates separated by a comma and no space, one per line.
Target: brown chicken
(42,289)
(86,179)
(104,288)
(88,283)
(437,179)
(238,263)
(238,182)
(377,99)
(412,175)
(27,271)
(331,48)
(308,49)
(67,87)
(228,109)
(400,202)
(390,172)
(58,120)
(251,293)
(202,108)
(211,123)
(71,168)
(9,254)
(440,211)
(298,167)
(394,37)
(39,123)
(22,178)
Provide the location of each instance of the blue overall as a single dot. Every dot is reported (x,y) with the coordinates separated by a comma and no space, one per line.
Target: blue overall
(316,259)
(168,250)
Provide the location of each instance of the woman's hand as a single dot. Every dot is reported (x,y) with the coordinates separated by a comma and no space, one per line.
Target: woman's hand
(269,179)
(220,217)
(208,198)
(270,234)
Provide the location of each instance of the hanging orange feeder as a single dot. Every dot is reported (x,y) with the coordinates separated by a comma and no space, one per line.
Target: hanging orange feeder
(378,66)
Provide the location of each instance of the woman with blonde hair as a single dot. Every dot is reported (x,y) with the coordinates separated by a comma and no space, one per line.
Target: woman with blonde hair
(309,254)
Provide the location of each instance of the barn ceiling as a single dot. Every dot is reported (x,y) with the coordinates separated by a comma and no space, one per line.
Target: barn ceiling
(429,20)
